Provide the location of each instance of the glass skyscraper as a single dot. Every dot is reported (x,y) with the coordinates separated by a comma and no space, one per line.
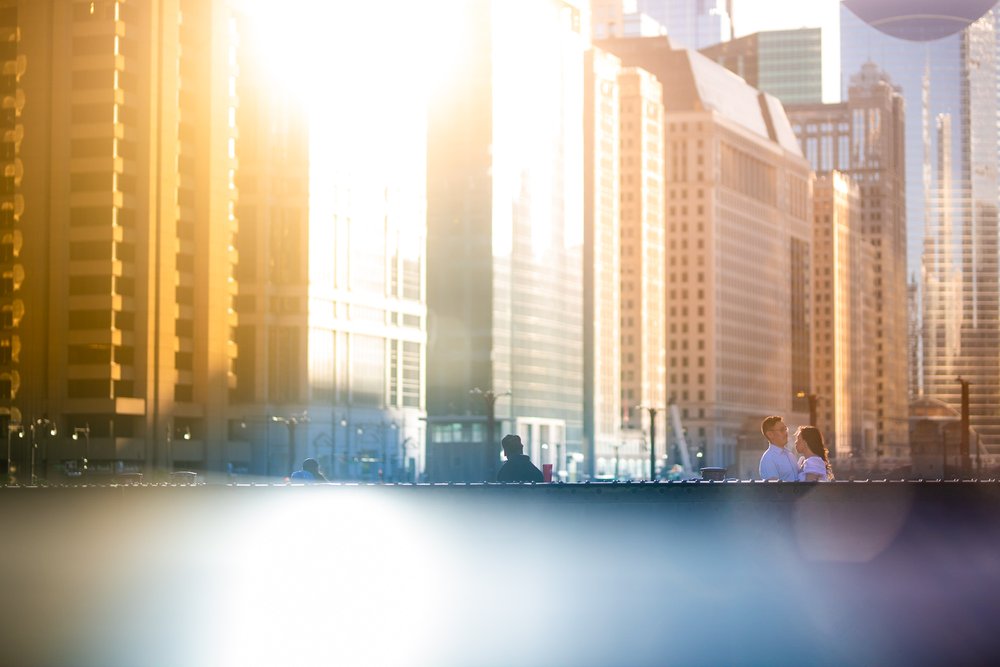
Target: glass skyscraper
(505,235)
(692,24)
(783,63)
(949,81)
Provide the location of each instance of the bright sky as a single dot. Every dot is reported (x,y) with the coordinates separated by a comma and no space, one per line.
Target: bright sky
(755,15)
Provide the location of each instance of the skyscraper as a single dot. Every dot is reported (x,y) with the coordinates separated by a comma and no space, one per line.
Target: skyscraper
(864,138)
(783,63)
(948,71)
(332,269)
(738,252)
(273,179)
(118,210)
(609,18)
(505,236)
(643,246)
(692,24)
(838,287)
(602,262)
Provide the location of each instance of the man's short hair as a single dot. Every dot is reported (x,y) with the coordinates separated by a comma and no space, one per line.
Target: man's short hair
(768,424)
(511,441)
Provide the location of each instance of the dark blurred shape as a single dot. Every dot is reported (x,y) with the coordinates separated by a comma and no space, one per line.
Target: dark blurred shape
(919,20)
(183,477)
(712,474)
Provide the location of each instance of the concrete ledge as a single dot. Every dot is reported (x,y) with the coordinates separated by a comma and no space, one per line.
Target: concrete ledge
(848,573)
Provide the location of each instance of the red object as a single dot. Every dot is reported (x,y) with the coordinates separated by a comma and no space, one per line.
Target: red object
(546,472)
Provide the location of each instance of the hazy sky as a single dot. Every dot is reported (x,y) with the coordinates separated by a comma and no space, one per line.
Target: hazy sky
(755,15)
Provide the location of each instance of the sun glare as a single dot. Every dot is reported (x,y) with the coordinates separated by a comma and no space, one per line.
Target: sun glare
(361,73)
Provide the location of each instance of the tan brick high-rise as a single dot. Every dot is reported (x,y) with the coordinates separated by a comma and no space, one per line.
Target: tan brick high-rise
(118,230)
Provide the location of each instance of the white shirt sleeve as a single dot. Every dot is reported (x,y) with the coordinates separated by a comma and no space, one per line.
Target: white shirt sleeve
(816,466)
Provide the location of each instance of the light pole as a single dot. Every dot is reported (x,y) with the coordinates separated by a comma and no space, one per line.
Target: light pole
(35,423)
(964,450)
(291,422)
(812,398)
(979,460)
(333,444)
(944,452)
(490,457)
(384,429)
(85,432)
(652,410)
(402,453)
(12,428)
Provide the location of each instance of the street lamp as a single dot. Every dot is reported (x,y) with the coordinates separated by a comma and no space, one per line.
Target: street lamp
(964,450)
(85,432)
(812,405)
(385,428)
(35,423)
(406,442)
(490,399)
(333,445)
(12,428)
(652,410)
(291,422)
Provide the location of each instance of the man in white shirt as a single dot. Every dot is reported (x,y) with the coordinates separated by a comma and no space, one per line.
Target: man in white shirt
(777,462)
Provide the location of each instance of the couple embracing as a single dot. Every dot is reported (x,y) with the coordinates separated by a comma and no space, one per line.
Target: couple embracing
(812,464)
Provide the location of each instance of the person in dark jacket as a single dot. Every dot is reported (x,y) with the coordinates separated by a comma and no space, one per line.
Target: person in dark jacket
(309,472)
(518,467)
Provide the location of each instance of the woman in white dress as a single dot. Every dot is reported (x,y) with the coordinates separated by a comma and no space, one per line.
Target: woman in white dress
(814,466)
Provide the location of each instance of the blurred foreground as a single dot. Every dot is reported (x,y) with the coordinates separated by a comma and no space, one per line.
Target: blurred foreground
(640,574)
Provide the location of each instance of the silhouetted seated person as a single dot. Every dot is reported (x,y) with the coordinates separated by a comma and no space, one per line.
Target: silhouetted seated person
(518,467)
(309,473)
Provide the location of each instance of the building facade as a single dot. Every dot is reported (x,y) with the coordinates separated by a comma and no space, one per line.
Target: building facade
(691,24)
(602,404)
(505,238)
(739,230)
(119,225)
(838,286)
(783,63)
(864,138)
(643,248)
(947,68)
(332,302)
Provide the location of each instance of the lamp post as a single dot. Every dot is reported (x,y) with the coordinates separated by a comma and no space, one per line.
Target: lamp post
(407,441)
(384,429)
(11,429)
(652,410)
(490,456)
(359,431)
(85,432)
(291,422)
(812,398)
(979,460)
(944,452)
(35,423)
(964,450)
(333,445)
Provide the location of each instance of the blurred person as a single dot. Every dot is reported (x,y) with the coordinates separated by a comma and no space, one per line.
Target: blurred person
(309,472)
(518,467)
(777,462)
(814,466)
